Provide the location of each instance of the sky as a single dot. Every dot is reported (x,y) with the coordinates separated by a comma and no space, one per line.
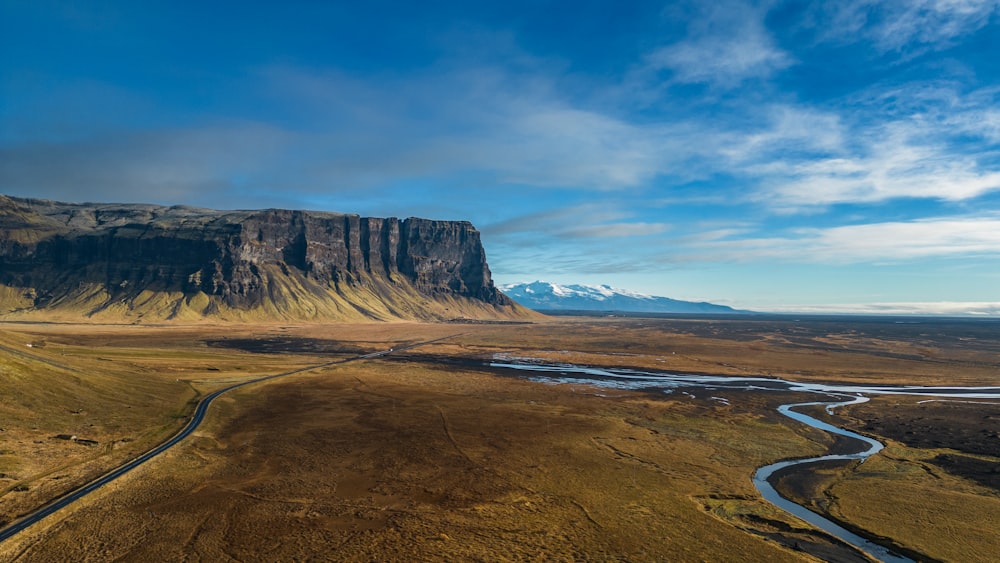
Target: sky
(784,156)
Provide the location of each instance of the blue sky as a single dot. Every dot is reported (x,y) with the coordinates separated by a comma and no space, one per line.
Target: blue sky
(774,155)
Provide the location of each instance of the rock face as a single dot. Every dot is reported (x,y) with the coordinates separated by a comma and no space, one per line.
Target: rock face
(180,262)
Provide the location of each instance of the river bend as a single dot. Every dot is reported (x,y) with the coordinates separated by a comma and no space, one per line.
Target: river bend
(843,395)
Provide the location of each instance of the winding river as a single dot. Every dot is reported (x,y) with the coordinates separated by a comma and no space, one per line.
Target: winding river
(689,383)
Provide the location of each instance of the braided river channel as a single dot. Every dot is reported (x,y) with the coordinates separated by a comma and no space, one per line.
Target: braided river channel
(840,395)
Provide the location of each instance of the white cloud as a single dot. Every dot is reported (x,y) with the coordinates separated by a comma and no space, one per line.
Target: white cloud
(790,131)
(514,128)
(334,132)
(177,165)
(974,114)
(558,145)
(929,308)
(724,61)
(890,242)
(893,171)
(907,240)
(618,230)
(931,21)
(944,147)
(555,220)
(339,132)
(579,221)
(908,25)
(730,45)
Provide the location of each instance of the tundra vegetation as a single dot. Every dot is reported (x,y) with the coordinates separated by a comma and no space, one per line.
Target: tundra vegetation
(429,454)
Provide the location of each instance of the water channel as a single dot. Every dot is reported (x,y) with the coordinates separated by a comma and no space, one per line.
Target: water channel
(686,383)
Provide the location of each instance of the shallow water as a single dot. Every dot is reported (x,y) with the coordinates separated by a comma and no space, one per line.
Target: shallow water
(636,379)
(688,383)
(761,479)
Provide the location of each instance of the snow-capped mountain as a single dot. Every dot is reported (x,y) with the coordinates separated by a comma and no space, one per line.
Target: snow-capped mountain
(544,296)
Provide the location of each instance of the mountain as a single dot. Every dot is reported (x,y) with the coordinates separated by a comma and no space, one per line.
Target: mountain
(545,296)
(136,262)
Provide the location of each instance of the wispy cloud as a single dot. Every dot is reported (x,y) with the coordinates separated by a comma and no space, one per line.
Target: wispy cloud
(908,240)
(888,242)
(726,45)
(580,221)
(929,308)
(341,133)
(579,239)
(788,132)
(519,128)
(922,148)
(699,135)
(512,127)
(893,169)
(923,23)
(618,230)
(909,25)
(337,132)
(180,165)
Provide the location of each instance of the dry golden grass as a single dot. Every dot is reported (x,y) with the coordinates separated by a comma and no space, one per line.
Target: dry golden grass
(900,495)
(754,348)
(78,381)
(404,462)
(420,457)
(291,297)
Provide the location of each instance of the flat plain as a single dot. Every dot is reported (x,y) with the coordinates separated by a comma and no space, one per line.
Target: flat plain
(429,453)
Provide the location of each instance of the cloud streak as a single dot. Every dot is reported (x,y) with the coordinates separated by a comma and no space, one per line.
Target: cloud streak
(727,46)
(180,165)
(513,128)
(928,308)
(692,137)
(336,132)
(575,222)
(911,25)
(923,153)
(888,242)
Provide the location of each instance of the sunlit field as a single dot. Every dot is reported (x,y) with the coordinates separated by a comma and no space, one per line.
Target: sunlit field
(427,453)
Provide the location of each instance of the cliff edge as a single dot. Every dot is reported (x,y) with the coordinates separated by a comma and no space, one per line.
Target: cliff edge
(133,262)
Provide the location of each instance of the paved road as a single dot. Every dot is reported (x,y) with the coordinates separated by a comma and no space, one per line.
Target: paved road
(199,415)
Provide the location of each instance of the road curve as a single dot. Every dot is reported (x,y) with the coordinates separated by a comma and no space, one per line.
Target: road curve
(28,520)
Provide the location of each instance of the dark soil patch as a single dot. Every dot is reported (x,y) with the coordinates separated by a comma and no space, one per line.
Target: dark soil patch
(979,470)
(806,483)
(287,345)
(968,427)
(817,545)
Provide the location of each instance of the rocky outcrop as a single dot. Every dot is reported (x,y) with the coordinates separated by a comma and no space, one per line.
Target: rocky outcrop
(168,262)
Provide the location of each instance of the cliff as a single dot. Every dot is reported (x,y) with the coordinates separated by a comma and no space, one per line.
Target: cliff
(147,262)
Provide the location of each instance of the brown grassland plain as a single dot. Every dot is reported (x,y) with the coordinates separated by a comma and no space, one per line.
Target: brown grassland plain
(427,454)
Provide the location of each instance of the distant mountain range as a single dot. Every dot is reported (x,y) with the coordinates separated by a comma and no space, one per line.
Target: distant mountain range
(545,296)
